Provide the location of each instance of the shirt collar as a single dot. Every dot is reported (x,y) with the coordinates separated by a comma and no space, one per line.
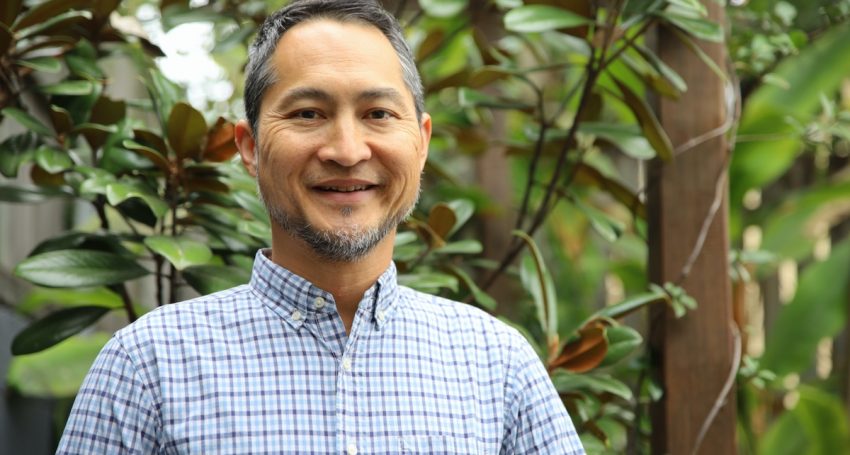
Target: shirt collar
(297,300)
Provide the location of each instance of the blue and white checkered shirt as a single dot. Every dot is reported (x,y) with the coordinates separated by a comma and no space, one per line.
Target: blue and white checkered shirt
(267,367)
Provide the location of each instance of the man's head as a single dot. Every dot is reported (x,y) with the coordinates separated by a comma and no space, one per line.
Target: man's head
(260,75)
(336,132)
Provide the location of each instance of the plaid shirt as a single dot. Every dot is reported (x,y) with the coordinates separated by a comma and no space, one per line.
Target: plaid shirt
(267,367)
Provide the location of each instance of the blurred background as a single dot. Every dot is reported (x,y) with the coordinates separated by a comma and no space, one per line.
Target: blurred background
(656,193)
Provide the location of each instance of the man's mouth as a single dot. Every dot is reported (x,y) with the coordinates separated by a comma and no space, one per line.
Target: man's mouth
(344,189)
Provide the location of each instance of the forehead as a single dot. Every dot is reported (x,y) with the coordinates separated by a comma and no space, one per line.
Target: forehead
(327,47)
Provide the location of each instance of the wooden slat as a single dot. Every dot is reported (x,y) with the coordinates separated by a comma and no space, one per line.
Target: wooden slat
(693,354)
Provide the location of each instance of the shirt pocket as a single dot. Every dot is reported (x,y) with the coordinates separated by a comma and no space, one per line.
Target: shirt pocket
(439,444)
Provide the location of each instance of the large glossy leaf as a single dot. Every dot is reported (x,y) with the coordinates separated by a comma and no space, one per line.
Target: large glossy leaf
(15,151)
(695,26)
(481,297)
(207,279)
(537,281)
(38,298)
(631,304)
(118,192)
(767,145)
(46,10)
(791,229)
(816,425)
(52,160)
(622,341)
(541,18)
(186,128)
(58,371)
(627,138)
(429,281)
(55,327)
(43,64)
(648,122)
(78,268)
(26,194)
(28,121)
(181,252)
(220,142)
(69,88)
(443,8)
(60,23)
(817,311)
(565,382)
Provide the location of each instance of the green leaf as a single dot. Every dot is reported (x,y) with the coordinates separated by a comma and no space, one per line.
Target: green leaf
(52,160)
(151,154)
(790,229)
(564,382)
(181,252)
(207,279)
(55,327)
(38,298)
(818,424)
(468,246)
(163,92)
(622,341)
(175,15)
(443,8)
(607,227)
(27,195)
(44,11)
(60,22)
(28,121)
(481,297)
(44,64)
(648,122)
(186,129)
(626,138)
(767,145)
(541,18)
(537,280)
(235,38)
(630,305)
(58,371)
(15,151)
(428,281)
(78,268)
(69,88)
(119,192)
(699,28)
(817,311)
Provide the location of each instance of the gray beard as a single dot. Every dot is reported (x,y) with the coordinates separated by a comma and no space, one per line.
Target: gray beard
(341,245)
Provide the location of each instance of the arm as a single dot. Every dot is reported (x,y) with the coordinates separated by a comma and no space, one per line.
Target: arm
(114,411)
(536,421)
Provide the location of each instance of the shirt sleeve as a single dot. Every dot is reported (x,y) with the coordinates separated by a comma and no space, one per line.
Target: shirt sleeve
(114,411)
(537,421)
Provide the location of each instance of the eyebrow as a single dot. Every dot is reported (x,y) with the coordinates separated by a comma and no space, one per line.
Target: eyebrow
(312,93)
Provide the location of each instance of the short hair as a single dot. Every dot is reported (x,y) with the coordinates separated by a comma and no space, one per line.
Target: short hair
(260,74)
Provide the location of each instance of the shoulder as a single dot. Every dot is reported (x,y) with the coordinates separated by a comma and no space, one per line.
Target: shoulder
(461,319)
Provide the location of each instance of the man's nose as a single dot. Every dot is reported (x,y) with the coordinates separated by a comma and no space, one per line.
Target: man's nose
(346,145)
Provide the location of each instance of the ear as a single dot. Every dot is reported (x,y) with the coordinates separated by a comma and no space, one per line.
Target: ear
(247,146)
(425,134)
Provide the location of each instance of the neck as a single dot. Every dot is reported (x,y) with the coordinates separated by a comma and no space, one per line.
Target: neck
(346,281)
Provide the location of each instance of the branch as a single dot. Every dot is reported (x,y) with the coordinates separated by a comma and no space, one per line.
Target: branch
(128,305)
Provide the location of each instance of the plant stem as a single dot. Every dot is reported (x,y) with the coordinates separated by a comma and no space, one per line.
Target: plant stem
(128,305)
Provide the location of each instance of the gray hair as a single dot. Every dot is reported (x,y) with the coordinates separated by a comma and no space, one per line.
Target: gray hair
(259,72)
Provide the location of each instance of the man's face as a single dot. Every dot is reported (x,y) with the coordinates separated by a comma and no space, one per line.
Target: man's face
(340,150)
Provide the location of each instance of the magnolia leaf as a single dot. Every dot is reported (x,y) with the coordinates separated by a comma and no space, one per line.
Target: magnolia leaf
(69,88)
(442,219)
(626,138)
(154,156)
(52,160)
(28,121)
(118,192)
(584,353)
(481,297)
(429,282)
(55,327)
(78,268)
(26,194)
(541,18)
(566,382)
(43,64)
(632,304)
(207,279)
(622,341)
(443,8)
(181,252)
(648,122)
(46,10)
(220,142)
(186,129)
(538,281)
(58,371)
(432,42)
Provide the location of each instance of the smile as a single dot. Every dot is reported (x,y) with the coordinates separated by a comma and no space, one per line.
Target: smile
(345,189)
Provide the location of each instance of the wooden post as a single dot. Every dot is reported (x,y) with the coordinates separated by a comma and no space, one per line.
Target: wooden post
(693,355)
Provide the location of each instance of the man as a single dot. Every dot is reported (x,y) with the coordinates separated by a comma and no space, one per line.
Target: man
(323,352)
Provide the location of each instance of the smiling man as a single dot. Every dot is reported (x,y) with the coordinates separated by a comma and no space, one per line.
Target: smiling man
(323,352)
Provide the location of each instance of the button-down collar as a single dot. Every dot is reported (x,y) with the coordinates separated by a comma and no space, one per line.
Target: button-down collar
(298,301)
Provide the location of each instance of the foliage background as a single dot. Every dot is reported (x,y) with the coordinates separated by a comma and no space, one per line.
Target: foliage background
(543,131)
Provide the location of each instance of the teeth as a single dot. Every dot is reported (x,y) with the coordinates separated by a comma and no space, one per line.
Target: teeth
(344,189)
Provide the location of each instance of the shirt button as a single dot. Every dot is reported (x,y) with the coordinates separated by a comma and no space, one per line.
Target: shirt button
(381,315)
(352,449)
(319,303)
(346,363)
(296,316)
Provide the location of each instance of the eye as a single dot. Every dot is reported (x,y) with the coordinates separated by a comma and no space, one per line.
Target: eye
(378,114)
(307,114)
